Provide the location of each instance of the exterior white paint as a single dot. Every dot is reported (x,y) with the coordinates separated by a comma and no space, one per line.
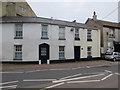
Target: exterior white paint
(95,43)
(119,12)
(32,39)
(0,42)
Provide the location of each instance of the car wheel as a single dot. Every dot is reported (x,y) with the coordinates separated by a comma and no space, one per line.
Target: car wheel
(114,59)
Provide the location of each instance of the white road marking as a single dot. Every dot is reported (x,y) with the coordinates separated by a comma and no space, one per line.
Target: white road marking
(38,80)
(88,67)
(84,81)
(13,86)
(108,71)
(11,72)
(47,70)
(37,70)
(54,85)
(76,78)
(61,69)
(106,77)
(95,66)
(77,68)
(70,76)
(117,73)
(9,82)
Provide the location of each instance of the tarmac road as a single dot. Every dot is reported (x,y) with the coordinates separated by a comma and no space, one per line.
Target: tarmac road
(76,77)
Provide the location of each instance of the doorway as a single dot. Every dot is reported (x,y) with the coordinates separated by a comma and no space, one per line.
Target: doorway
(77,53)
(43,53)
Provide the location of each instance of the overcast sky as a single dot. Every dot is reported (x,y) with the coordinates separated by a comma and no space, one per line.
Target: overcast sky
(76,10)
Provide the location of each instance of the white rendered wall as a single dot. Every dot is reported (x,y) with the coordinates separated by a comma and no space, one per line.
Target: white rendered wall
(7,42)
(95,43)
(0,42)
(32,39)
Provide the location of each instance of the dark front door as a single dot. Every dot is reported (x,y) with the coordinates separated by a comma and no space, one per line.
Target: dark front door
(43,53)
(77,52)
(117,48)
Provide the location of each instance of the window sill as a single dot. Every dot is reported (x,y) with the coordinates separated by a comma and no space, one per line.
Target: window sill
(17,59)
(18,37)
(89,40)
(61,58)
(112,37)
(44,38)
(77,39)
(61,39)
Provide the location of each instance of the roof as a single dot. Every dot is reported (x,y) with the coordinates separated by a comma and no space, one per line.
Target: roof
(105,23)
(9,19)
(112,24)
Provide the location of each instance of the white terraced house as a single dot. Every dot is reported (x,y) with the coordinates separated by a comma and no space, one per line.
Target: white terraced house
(44,40)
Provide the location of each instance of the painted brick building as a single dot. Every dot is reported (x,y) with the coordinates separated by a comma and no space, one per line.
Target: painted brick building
(46,40)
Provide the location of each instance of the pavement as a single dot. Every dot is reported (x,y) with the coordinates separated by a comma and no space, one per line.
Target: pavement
(84,74)
(24,67)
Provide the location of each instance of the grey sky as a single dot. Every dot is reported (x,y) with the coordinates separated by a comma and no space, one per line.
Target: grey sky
(79,11)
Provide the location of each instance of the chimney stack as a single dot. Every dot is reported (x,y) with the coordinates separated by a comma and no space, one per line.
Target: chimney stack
(94,16)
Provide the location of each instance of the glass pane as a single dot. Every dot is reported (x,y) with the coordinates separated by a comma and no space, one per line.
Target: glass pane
(18,55)
(89,53)
(18,27)
(61,54)
(62,35)
(44,27)
(62,32)
(44,34)
(76,30)
(43,52)
(76,35)
(18,48)
(89,48)
(61,48)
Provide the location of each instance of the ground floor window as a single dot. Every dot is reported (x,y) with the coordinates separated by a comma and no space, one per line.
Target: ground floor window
(89,51)
(18,52)
(61,52)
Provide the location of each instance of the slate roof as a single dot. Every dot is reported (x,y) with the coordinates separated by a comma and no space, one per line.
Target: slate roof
(12,19)
(105,23)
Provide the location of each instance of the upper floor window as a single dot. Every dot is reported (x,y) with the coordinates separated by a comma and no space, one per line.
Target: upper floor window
(77,34)
(89,51)
(89,35)
(111,33)
(44,32)
(18,52)
(18,31)
(61,33)
(61,52)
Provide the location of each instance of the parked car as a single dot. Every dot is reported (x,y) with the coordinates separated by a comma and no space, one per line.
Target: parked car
(112,56)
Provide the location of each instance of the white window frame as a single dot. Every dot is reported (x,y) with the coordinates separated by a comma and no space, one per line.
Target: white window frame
(111,33)
(62,33)
(62,52)
(89,34)
(19,31)
(18,52)
(77,33)
(89,51)
(44,31)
